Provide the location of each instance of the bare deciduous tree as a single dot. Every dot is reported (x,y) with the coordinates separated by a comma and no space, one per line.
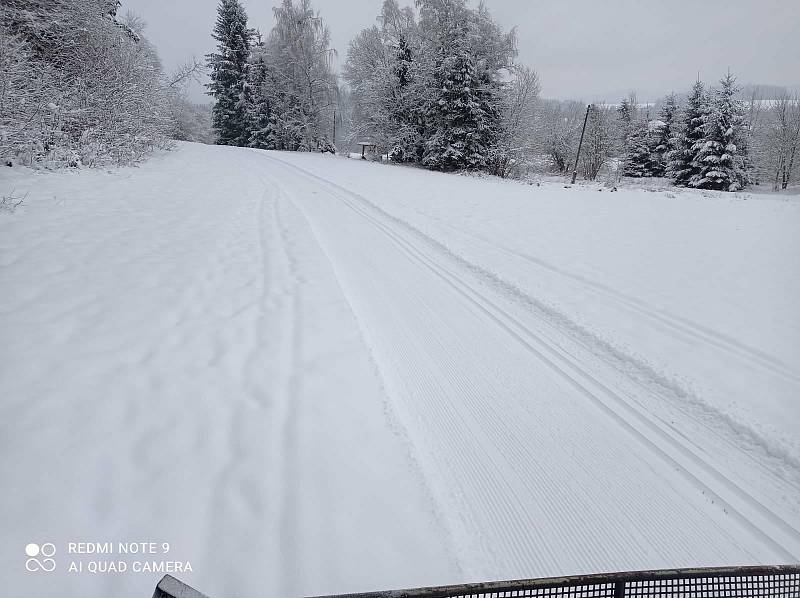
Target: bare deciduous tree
(517,126)
(784,139)
(598,144)
(558,126)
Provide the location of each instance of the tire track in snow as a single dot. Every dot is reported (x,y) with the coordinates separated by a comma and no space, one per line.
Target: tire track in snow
(269,396)
(234,501)
(751,514)
(290,570)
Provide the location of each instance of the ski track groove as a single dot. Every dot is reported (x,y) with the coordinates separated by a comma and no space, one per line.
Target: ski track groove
(676,454)
(229,487)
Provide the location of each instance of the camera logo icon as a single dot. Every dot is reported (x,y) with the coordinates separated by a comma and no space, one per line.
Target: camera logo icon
(40,558)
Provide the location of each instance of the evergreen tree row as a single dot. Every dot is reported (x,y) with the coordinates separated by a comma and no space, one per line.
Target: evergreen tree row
(703,146)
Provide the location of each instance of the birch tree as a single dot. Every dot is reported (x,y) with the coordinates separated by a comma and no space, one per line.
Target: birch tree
(784,140)
(517,132)
(299,53)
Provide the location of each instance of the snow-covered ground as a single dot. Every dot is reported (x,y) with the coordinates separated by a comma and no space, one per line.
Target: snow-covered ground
(310,374)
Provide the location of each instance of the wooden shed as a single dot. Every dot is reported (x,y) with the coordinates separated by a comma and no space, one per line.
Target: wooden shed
(367,149)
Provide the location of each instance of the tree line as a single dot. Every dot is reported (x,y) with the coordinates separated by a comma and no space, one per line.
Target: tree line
(436,86)
(714,139)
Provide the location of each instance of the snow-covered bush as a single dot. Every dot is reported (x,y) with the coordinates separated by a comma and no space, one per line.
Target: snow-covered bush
(82,87)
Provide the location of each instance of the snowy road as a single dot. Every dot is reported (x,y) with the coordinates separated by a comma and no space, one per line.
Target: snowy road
(307,380)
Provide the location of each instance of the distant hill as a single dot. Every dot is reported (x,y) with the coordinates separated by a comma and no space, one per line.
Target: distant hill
(763,91)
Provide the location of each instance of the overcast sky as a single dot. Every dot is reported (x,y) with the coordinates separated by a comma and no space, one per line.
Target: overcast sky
(583,49)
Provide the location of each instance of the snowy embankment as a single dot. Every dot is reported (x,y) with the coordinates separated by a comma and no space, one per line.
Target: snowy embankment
(311,375)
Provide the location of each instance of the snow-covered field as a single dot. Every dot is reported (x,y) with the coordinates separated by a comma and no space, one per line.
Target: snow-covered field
(310,375)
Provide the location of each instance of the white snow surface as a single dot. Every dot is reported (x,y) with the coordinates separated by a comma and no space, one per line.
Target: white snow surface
(313,375)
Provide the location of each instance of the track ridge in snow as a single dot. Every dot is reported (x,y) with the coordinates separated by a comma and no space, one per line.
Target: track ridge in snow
(762,522)
(288,425)
(682,325)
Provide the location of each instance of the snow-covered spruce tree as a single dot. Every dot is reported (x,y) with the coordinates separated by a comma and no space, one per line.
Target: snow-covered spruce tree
(720,158)
(638,159)
(467,51)
(662,131)
(685,141)
(463,124)
(260,117)
(229,73)
(627,114)
(633,136)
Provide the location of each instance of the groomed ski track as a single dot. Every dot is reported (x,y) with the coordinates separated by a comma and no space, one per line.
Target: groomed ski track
(483,430)
(278,366)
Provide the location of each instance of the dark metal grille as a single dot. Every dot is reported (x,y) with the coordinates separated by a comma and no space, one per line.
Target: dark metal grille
(782,581)
(785,585)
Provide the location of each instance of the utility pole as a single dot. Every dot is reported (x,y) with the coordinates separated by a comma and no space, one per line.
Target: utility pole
(580,144)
